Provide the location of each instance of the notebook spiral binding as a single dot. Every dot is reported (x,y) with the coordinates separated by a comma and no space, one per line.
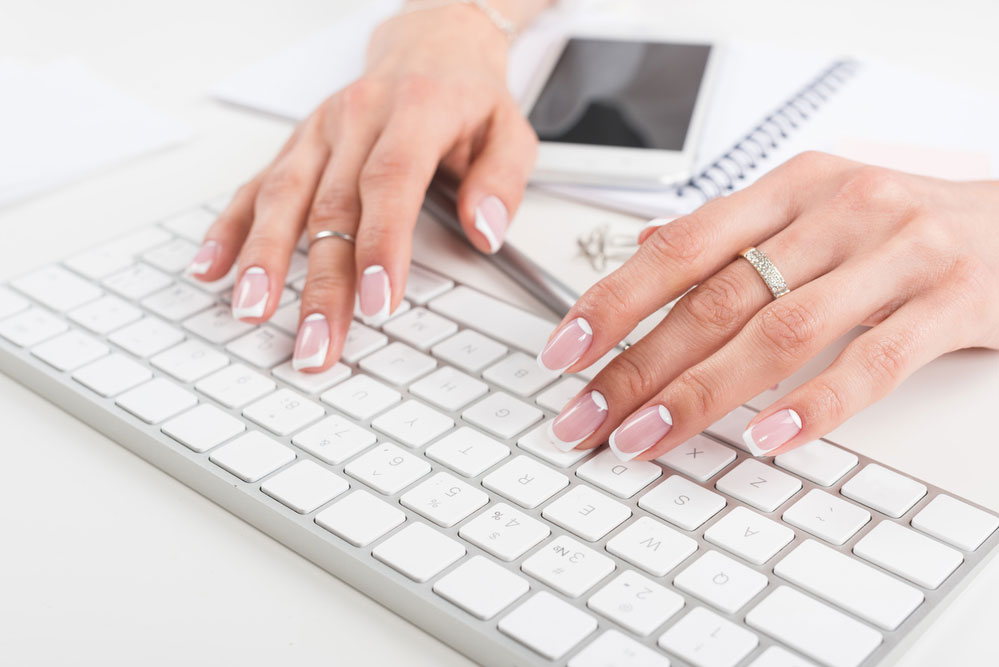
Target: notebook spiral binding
(747,154)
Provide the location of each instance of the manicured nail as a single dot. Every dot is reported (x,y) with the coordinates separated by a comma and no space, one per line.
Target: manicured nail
(204,258)
(312,343)
(375,295)
(640,431)
(578,420)
(250,296)
(771,432)
(491,221)
(567,345)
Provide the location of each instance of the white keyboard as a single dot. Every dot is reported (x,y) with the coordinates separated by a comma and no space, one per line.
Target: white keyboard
(418,470)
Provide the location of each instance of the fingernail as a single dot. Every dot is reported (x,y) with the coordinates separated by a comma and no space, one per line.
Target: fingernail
(375,295)
(640,431)
(204,258)
(567,345)
(578,420)
(250,297)
(312,343)
(491,221)
(771,432)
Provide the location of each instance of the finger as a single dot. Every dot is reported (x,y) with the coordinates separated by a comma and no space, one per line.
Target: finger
(279,213)
(684,253)
(494,185)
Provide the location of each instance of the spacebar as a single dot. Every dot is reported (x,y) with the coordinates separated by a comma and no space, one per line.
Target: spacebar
(495,318)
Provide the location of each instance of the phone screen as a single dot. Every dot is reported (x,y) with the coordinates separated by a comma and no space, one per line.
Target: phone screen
(621,93)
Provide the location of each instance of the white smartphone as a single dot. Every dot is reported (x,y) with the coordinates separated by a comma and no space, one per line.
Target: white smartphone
(620,112)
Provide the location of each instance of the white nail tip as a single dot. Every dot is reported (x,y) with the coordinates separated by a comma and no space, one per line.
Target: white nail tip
(754,449)
(559,443)
(622,456)
(385,311)
(483,228)
(315,361)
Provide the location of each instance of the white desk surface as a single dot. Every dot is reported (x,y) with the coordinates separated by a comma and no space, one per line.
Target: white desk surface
(106,559)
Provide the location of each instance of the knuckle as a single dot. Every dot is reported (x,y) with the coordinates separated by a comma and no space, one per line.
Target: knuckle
(356,98)
(827,401)
(875,188)
(808,161)
(608,300)
(417,89)
(334,202)
(699,395)
(631,375)
(788,328)
(261,245)
(716,305)
(279,183)
(885,359)
(681,241)
(384,168)
(323,285)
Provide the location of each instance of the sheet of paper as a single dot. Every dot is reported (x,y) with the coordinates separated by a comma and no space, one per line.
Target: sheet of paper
(60,121)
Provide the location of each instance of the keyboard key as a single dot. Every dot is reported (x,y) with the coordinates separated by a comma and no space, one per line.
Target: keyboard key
(117,254)
(748,535)
(558,395)
(586,513)
(264,347)
(235,385)
(547,625)
(11,303)
(360,342)
(422,284)
(955,522)
(334,439)
(908,554)
(449,388)
(105,314)
(360,518)
(444,499)
(304,487)
(818,461)
(652,546)
(775,656)
(682,503)
(846,582)
(730,428)
(481,587)
(568,566)
(178,302)
(203,427)
(57,288)
(624,480)
(419,552)
(156,401)
(616,649)
(469,351)
(504,532)
(636,602)
(420,328)
(252,456)
(361,397)
(519,374)
(312,383)
(70,350)
(826,516)
(413,423)
(173,256)
(884,490)
(137,281)
(759,485)
(538,442)
(819,632)
(32,326)
(699,458)
(705,639)
(191,225)
(525,481)
(113,374)
(387,468)
(398,364)
(217,325)
(721,582)
(508,324)
(283,412)
(221,202)
(285,317)
(146,337)
(298,266)
(467,452)
(189,361)
(502,415)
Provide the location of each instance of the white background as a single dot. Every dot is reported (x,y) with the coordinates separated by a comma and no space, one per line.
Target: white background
(103,559)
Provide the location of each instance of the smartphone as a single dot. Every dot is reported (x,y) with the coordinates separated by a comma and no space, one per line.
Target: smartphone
(618,112)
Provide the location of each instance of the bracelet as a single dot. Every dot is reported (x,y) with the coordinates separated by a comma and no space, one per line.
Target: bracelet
(502,23)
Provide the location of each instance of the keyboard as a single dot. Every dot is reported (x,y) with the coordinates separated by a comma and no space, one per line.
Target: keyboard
(418,469)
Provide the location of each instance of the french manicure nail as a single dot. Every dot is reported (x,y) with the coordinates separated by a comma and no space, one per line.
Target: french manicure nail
(771,432)
(204,258)
(567,346)
(250,297)
(491,220)
(640,431)
(312,343)
(375,295)
(578,420)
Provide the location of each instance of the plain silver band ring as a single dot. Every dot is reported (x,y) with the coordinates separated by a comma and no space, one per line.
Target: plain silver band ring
(770,274)
(328,234)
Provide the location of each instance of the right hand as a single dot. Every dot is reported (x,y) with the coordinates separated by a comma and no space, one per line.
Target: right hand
(433,94)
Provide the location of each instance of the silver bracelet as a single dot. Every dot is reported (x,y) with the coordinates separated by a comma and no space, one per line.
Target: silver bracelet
(505,25)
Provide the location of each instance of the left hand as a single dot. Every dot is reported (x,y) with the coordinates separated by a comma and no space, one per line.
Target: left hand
(915,258)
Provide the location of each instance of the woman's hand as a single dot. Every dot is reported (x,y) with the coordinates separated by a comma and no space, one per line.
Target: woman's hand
(434,93)
(915,258)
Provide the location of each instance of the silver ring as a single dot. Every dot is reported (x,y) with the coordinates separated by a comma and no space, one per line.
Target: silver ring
(328,234)
(770,274)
